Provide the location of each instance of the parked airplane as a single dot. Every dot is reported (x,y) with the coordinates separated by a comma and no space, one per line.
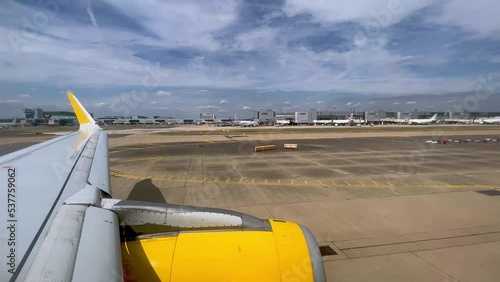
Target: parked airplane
(336,122)
(61,224)
(322,121)
(423,120)
(246,123)
(491,120)
(282,122)
(8,124)
(51,122)
(342,121)
(458,120)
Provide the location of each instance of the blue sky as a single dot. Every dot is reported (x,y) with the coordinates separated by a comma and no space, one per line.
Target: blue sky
(181,58)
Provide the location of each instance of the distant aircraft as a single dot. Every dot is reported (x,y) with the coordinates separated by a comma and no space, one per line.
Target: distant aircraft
(246,123)
(342,121)
(61,224)
(491,120)
(458,120)
(322,121)
(282,122)
(8,124)
(121,121)
(50,122)
(423,120)
(336,122)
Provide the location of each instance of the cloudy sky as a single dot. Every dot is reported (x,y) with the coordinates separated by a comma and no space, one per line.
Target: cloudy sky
(181,58)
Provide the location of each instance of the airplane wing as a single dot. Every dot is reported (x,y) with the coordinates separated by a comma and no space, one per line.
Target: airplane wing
(59,225)
(53,225)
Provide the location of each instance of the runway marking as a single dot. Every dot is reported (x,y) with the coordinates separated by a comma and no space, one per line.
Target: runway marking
(139,159)
(321,184)
(305,183)
(261,139)
(209,141)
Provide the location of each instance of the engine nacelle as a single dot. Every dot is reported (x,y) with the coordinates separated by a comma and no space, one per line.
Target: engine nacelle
(162,242)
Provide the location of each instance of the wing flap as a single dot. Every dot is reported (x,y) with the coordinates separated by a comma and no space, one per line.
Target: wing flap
(99,173)
(57,254)
(99,239)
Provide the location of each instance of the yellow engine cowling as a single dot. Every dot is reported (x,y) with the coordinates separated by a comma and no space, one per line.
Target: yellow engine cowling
(287,253)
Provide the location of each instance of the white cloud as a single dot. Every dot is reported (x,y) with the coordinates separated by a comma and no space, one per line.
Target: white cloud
(269,17)
(91,15)
(207,107)
(395,103)
(495,59)
(222,111)
(369,68)
(348,104)
(411,102)
(376,13)
(12,101)
(24,96)
(480,16)
(100,104)
(162,93)
(154,103)
(245,107)
(223,101)
(320,102)
(258,39)
(182,23)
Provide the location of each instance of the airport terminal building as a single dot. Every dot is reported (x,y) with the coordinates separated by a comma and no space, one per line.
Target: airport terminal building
(39,117)
(369,117)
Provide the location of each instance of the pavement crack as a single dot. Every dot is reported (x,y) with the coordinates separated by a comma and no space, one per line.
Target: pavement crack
(435,267)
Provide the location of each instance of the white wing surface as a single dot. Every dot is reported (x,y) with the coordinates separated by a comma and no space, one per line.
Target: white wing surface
(53,226)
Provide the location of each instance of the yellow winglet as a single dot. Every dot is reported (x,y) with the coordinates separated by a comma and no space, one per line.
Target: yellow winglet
(84,118)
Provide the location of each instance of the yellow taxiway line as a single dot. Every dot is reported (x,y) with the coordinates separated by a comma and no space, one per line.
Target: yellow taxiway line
(304,183)
(139,159)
